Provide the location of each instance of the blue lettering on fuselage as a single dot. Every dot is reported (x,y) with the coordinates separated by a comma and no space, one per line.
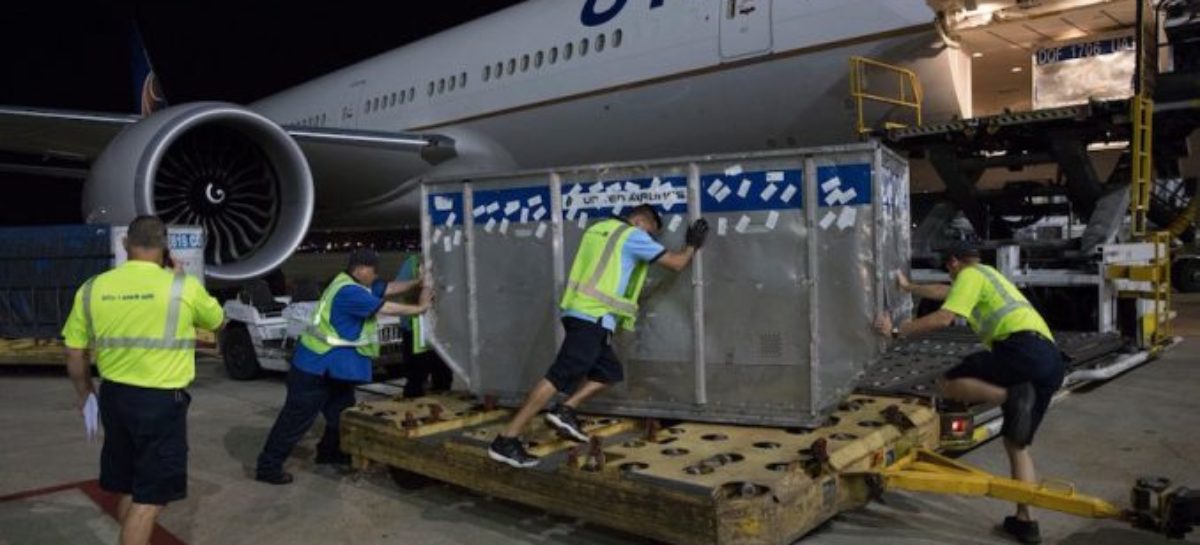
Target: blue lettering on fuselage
(590,17)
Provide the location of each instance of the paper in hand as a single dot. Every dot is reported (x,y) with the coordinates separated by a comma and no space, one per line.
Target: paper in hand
(91,417)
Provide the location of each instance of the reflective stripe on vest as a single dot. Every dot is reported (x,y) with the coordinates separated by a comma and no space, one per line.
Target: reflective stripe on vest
(988,324)
(590,288)
(331,338)
(166,342)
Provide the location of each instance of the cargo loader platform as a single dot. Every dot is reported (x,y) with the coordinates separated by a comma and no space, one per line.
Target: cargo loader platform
(687,483)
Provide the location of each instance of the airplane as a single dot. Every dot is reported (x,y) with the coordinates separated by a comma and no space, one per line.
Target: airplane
(542,83)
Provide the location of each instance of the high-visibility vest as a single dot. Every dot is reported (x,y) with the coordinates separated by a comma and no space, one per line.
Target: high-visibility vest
(995,318)
(596,274)
(139,341)
(321,336)
(416,324)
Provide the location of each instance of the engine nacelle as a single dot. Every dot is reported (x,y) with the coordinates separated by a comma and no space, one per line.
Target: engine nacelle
(220,166)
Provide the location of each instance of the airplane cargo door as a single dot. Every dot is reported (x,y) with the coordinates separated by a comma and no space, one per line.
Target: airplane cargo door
(745,28)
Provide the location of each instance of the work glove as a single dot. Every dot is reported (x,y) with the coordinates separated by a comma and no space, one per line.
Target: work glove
(696,233)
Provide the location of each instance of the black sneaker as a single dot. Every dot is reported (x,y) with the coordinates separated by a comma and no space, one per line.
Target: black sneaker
(563,419)
(509,450)
(1025,531)
(282,477)
(1018,414)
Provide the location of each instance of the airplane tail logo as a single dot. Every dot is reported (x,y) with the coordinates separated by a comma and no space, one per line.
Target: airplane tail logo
(148,94)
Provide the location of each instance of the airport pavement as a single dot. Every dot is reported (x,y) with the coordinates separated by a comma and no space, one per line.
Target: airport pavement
(1101,439)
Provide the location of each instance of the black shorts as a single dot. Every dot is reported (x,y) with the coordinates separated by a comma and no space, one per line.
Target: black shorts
(1024,356)
(585,352)
(145,442)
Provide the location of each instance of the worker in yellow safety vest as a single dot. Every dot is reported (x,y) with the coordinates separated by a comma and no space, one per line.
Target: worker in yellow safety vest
(1020,370)
(333,356)
(139,320)
(602,292)
(420,363)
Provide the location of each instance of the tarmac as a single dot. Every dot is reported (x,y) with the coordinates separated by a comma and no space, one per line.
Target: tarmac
(1100,438)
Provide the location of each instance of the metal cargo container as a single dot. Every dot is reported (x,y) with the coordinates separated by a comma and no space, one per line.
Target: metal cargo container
(770,325)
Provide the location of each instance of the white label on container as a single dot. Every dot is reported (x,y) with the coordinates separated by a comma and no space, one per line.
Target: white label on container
(492,208)
(847,217)
(597,187)
(524,215)
(675,221)
(735,170)
(772,219)
(583,217)
(437,236)
(655,182)
(631,187)
(832,184)
(447,244)
(722,226)
(723,194)
(828,219)
(491,224)
(614,188)
(715,188)
(541,230)
(504,226)
(537,214)
(571,214)
(442,204)
(512,207)
(775,176)
(834,197)
(450,219)
(788,193)
(742,224)
(480,210)
(744,189)
(458,235)
(534,200)
(768,192)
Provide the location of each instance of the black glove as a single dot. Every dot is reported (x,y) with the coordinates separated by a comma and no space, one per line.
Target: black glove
(697,233)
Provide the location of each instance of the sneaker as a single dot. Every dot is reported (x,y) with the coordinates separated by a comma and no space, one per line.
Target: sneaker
(282,477)
(1018,414)
(509,450)
(563,419)
(1024,531)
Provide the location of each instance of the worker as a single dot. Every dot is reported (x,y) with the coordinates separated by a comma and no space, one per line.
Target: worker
(139,320)
(605,280)
(420,363)
(328,365)
(1020,370)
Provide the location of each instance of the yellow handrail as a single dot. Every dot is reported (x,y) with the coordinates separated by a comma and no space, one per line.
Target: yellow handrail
(908,92)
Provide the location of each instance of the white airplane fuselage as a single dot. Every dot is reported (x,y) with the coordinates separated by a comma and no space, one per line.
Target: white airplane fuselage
(658,78)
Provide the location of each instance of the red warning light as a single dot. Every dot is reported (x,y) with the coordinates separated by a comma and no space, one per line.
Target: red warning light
(958,426)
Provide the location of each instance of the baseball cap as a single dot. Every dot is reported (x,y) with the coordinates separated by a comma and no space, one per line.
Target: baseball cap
(363,257)
(960,249)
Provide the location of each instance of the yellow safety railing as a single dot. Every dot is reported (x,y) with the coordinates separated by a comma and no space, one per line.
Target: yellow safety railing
(908,93)
(1141,152)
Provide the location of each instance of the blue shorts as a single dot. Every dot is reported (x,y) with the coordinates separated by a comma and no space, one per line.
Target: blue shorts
(1024,356)
(586,352)
(145,442)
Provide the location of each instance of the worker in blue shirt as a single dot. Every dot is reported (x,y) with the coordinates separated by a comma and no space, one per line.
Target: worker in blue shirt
(334,355)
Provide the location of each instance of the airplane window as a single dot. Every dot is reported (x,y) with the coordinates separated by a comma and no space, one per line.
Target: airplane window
(462,79)
(453,83)
(553,54)
(568,50)
(431,87)
(412,93)
(393,102)
(487,72)
(499,70)
(403,96)
(367,106)
(512,66)
(600,43)
(525,63)
(583,47)
(441,86)
(617,38)
(375,104)
(539,59)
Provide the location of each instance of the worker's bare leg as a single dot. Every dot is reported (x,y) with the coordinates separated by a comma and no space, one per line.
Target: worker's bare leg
(534,402)
(1022,470)
(972,390)
(138,523)
(589,389)
(123,506)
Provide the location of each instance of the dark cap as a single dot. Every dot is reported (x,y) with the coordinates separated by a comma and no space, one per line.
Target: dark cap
(960,249)
(649,211)
(363,257)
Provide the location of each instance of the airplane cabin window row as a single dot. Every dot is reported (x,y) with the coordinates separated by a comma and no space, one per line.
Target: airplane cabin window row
(311,121)
(551,56)
(390,100)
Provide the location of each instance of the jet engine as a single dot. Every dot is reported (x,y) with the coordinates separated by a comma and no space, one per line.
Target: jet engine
(216,165)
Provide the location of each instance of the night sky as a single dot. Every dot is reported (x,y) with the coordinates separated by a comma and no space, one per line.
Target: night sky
(77,57)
